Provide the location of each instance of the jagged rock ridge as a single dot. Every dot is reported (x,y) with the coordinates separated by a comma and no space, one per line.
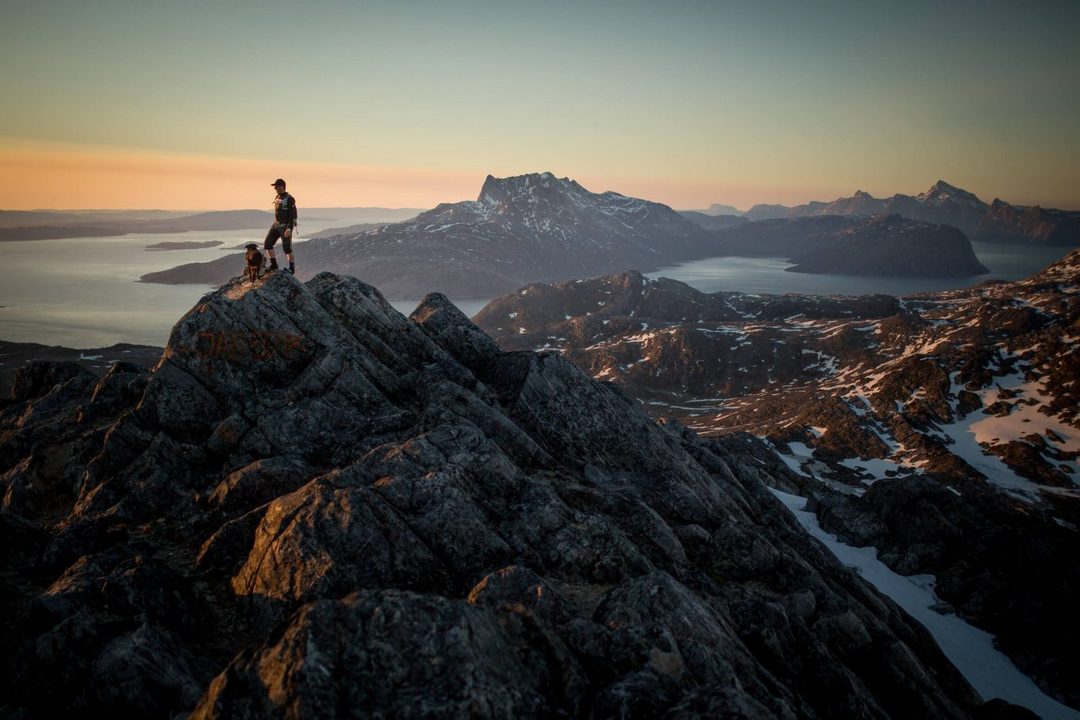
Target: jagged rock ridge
(314,506)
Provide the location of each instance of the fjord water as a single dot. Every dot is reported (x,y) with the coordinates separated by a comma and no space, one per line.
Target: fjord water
(83,292)
(767,275)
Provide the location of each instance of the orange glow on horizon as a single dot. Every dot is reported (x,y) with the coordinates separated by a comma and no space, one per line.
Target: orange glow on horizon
(36,175)
(55,177)
(47,176)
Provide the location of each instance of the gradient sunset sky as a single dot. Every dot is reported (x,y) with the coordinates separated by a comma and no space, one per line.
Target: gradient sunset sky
(199,105)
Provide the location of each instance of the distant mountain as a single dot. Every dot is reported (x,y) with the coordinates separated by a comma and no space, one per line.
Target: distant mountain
(215,220)
(52,232)
(718,209)
(942,204)
(942,429)
(882,246)
(890,246)
(32,218)
(49,224)
(520,229)
(1015,224)
(536,227)
(766,211)
(713,222)
(861,203)
(68,225)
(947,204)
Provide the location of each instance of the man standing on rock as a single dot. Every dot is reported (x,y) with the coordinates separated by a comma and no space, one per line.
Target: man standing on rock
(284,224)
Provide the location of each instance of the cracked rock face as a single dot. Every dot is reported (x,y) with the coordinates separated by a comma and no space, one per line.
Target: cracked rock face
(314,506)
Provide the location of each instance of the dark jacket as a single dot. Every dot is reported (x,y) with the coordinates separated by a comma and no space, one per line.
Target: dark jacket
(285,210)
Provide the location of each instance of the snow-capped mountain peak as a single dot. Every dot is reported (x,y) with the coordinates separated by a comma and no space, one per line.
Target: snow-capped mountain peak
(496,190)
(942,192)
(519,229)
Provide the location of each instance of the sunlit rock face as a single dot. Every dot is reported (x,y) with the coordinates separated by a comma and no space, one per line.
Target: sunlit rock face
(315,506)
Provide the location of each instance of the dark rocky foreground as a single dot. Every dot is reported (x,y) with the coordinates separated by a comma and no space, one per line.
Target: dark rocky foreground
(316,507)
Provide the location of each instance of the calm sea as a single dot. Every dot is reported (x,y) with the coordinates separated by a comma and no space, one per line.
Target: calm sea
(82,292)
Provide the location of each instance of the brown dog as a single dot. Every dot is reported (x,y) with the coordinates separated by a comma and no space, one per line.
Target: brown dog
(254,263)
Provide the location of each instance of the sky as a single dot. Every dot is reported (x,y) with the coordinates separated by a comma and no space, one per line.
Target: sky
(201,104)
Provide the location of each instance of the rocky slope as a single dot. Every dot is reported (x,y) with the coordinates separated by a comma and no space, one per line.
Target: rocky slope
(314,506)
(941,428)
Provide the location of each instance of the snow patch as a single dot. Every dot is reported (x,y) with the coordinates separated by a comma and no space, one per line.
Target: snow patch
(971,650)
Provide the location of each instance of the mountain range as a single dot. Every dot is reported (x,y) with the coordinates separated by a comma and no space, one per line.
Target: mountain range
(54,224)
(538,227)
(946,204)
(876,246)
(520,229)
(941,428)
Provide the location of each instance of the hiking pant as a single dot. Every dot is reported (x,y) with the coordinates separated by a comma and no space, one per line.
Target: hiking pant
(278,231)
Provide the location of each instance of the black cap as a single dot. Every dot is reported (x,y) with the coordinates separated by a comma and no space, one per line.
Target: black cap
(277,182)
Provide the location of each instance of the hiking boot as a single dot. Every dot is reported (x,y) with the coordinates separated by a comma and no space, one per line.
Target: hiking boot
(273,265)
(292,269)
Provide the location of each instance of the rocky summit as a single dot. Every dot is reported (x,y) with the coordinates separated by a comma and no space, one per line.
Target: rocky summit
(313,506)
(941,428)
